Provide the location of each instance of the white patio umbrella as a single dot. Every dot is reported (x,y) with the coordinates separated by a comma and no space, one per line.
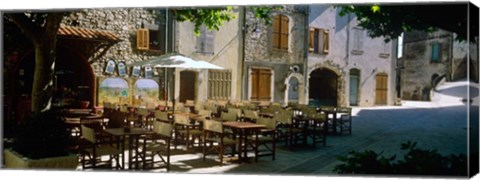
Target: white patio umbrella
(175,60)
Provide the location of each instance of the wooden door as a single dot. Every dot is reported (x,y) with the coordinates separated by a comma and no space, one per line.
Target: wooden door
(261,79)
(381,89)
(187,86)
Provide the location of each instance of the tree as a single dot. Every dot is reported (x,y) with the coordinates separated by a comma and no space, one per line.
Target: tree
(390,20)
(41,29)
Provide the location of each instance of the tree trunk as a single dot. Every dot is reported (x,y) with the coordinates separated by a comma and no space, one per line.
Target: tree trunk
(43,75)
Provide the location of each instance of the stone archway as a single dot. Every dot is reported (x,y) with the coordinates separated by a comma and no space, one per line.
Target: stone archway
(323,89)
(295,88)
(337,70)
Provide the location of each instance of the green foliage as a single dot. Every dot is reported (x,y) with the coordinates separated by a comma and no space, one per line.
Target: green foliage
(214,18)
(43,134)
(415,162)
(390,21)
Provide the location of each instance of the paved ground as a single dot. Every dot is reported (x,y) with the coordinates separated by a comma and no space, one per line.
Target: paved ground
(441,124)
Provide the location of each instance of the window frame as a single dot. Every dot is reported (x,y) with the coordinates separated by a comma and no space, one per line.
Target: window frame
(435,57)
(207,38)
(319,40)
(281,32)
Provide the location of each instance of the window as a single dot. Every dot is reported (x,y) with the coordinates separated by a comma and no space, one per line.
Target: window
(358,35)
(436,52)
(261,79)
(280,32)
(149,38)
(205,42)
(219,84)
(319,40)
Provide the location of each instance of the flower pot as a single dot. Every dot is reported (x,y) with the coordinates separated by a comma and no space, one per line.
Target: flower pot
(14,160)
(84,104)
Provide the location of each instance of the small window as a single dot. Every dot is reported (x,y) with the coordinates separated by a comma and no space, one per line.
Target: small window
(436,52)
(205,42)
(280,32)
(150,38)
(358,35)
(319,40)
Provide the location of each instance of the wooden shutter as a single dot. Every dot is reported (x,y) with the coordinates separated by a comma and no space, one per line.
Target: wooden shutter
(311,40)
(284,33)
(209,41)
(264,85)
(219,84)
(143,39)
(326,37)
(276,32)
(381,89)
(254,90)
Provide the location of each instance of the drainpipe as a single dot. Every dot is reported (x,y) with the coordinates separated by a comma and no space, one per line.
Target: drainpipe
(242,58)
(305,64)
(348,40)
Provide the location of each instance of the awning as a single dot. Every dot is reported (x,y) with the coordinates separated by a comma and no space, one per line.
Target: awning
(93,43)
(88,34)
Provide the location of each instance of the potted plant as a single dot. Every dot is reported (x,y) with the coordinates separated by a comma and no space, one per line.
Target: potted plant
(42,142)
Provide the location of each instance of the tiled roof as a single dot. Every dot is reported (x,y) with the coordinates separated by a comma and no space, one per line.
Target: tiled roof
(84,33)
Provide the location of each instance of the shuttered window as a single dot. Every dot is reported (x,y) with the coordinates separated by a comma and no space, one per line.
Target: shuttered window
(143,39)
(205,42)
(319,41)
(280,32)
(219,84)
(358,39)
(261,79)
(150,38)
(436,52)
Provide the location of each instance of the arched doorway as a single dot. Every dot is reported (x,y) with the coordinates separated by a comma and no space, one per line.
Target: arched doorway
(187,85)
(323,87)
(354,87)
(293,89)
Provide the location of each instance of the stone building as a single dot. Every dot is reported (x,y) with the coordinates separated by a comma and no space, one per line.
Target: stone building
(345,66)
(439,56)
(274,56)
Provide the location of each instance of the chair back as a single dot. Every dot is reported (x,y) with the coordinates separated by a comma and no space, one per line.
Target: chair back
(346,110)
(269,123)
(327,108)
(212,125)
(117,119)
(228,116)
(250,114)
(88,134)
(161,115)
(182,119)
(284,116)
(205,113)
(142,111)
(162,128)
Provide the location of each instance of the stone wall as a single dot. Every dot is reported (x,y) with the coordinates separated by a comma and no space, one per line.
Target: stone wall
(419,70)
(259,52)
(124,22)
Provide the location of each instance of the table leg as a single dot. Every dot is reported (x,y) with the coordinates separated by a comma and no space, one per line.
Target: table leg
(130,144)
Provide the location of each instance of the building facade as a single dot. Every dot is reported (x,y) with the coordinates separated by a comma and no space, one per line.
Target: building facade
(274,56)
(345,66)
(439,56)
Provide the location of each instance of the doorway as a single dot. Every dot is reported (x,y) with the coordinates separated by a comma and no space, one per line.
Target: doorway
(187,85)
(323,87)
(354,88)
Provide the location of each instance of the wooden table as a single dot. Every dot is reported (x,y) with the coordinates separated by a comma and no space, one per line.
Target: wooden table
(133,135)
(243,129)
(334,119)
